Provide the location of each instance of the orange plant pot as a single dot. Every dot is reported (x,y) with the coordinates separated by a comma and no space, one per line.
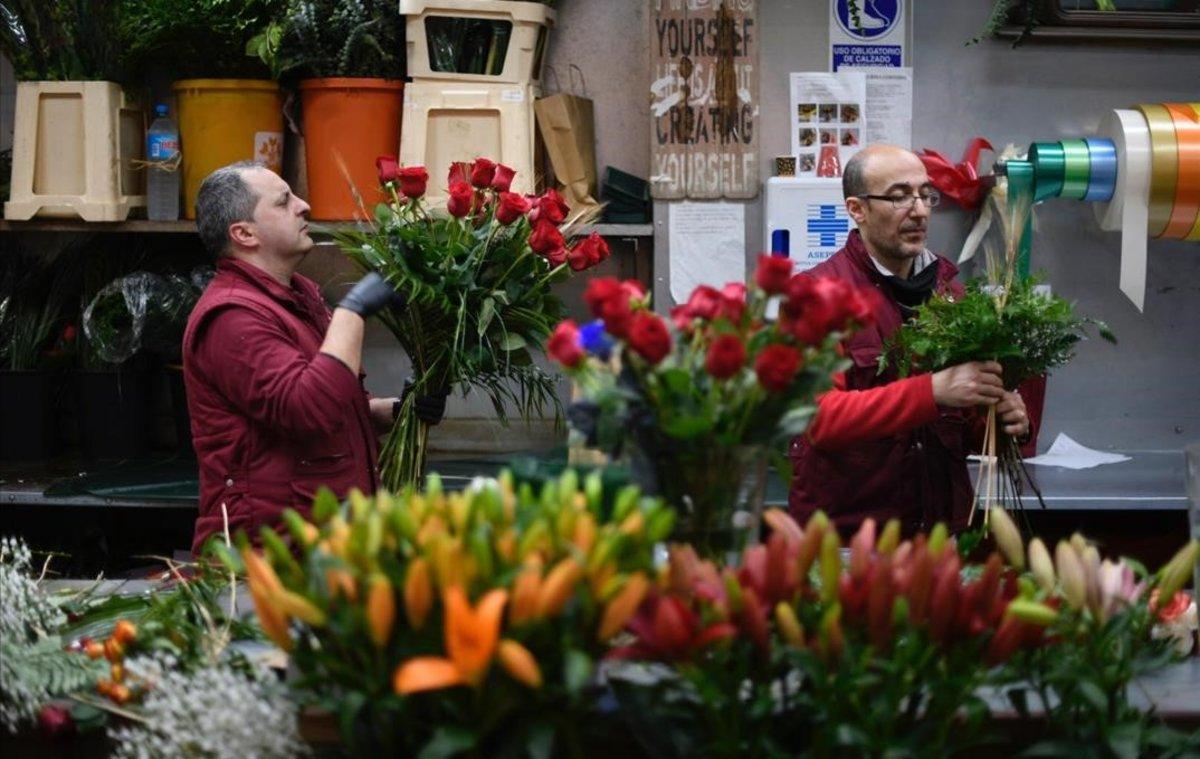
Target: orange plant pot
(348,123)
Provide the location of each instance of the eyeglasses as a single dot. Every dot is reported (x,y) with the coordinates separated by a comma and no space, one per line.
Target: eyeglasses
(905,202)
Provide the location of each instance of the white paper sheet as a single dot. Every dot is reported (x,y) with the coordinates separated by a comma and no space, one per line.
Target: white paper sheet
(889,106)
(1067,453)
(707,246)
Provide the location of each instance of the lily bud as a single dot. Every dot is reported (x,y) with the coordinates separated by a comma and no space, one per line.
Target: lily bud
(623,606)
(879,605)
(831,566)
(1040,565)
(937,539)
(273,621)
(1175,573)
(832,639)
(259,572)
(943,604)
(810,546)
(861,546)
(300,607)
(1070,574)
(633,524)
(381,610)
(920,585)
(524,603)
(519,663)
(1033,612)
(789,625)
(418,593)
(341,582)
(559,586)
(1007,537)
(781,522)
(889,538)
(585,532)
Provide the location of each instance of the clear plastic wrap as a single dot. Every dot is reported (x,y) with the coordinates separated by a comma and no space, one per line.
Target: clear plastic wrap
(142,311)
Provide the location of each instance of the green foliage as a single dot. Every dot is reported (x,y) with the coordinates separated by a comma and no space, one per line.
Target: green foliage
(1033,334)
(327,38)
(63,39)
(34,295)
(197,38)
(479,303)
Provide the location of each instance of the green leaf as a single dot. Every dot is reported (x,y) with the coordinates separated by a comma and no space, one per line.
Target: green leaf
(448,741)
(512,341)
(1125,740)
(325,505)
(1093,695)
(541,741)
(577,670)
(486,312)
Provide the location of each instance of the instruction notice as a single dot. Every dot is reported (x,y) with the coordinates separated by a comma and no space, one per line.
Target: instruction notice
(889,106)
(707,246)
(827,118)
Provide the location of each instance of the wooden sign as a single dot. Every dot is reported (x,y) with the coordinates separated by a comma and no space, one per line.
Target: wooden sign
(704,99)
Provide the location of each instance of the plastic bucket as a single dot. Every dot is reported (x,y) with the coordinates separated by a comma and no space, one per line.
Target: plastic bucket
(348,122)
(222,121)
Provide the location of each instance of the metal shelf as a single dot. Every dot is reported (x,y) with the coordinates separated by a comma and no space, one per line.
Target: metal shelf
(189,227)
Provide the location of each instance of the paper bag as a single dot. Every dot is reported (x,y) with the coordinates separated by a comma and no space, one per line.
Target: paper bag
(566,122)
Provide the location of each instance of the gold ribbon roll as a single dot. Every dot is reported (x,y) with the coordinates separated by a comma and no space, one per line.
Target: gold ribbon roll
(1187,185)
(1164,166)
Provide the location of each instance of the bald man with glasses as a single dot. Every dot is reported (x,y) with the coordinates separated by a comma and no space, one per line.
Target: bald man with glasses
(880,446)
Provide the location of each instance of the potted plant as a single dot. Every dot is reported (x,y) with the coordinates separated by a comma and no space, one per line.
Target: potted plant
(32,335)
(74,129)
(228,107)
(350,61)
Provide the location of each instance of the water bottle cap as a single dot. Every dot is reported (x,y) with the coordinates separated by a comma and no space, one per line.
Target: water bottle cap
(161,109)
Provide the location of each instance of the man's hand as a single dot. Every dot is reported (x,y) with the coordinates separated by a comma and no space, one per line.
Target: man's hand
(975,383)
(371,295)
(1012,414)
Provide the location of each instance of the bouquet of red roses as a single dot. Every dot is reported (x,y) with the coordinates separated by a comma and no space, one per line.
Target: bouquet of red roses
(703,398)
(478,279)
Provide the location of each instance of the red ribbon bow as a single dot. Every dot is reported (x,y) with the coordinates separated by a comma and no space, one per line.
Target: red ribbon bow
(960,182)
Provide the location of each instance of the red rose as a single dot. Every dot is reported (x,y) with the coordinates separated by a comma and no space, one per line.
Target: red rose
(549,206)
(648,336)
(461,199)
(511,207)
(389,168)
(776,367)
(558,256)
(413,180)
(55,721)
(502,179)
(617,314)
(633,289)
(862,306)
(681,317)
(773,274)
(545,238)
(564,346)
(459,172)
(599,291)
(733,301)
(704,302)
(482,172)
(814,307)
(588,252)
(725,357)
(68,333)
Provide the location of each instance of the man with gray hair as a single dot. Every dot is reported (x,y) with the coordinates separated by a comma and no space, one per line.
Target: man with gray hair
(880,446)
(273,379)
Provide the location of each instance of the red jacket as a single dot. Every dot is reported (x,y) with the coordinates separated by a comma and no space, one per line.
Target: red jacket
(272,418)
(887,452)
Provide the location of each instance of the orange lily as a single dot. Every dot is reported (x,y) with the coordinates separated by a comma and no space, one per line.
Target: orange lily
(623,606)
(418,593)
(472,636)
(519,663)
(525,593)
(559,585)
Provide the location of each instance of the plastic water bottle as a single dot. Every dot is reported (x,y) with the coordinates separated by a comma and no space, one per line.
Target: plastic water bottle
(162,185)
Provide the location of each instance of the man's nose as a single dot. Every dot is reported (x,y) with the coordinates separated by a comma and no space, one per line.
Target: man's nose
(303,207)
(920,208)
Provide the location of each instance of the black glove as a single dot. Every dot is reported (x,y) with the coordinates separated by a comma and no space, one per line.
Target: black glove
(429,408)
(371,295)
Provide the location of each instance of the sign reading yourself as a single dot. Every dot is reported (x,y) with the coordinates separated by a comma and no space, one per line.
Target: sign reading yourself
(704,99)
(866,33)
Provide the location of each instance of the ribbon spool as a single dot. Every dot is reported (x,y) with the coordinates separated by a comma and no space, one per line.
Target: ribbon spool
(1164,166)
(1049,166)
(1076,169)
(1187,186)
(1102,169)
(1128,210)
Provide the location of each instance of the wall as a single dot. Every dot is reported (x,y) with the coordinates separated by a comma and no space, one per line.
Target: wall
(1143,393)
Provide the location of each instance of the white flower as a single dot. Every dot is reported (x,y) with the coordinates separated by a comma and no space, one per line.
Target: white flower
(211,712)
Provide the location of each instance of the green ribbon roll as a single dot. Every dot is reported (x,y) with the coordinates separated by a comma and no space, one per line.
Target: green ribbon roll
(1049,166)
(1077,164)
(1022,180)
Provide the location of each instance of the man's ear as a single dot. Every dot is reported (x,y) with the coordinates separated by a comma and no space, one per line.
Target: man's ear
(857,209)
(241,234)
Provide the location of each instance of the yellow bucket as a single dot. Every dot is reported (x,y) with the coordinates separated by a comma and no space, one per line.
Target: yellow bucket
(222,121)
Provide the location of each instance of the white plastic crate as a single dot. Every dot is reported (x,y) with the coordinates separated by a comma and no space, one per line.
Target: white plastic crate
(528,37)
(74,146)
(446,122)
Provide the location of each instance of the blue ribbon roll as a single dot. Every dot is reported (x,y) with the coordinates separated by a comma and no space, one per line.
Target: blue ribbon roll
(1102,181)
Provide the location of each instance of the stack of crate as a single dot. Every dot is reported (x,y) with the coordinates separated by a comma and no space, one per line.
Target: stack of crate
(476,69)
